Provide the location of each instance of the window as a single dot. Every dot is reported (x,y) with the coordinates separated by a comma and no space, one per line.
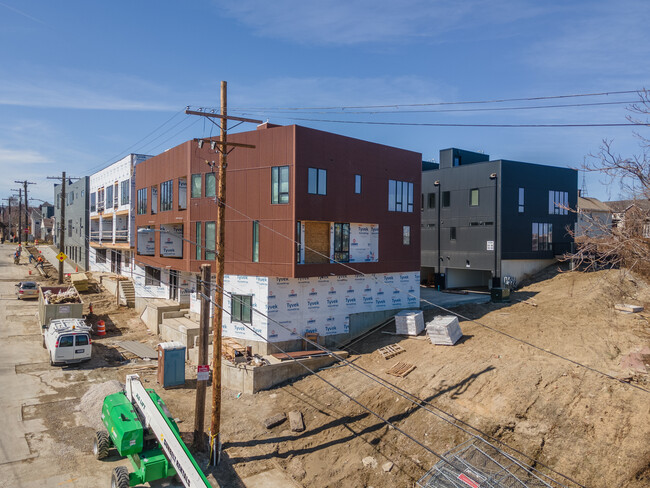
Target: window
(406,235)
(557,200)
(93,202)
(70,198)
(280,184)
(182,193)
(100,200)
(166,195)
(58,201)
(521,200)
(357,183)
(240,308)
(154,200)
(196,186)
(210,185)
(210,241)
(81,340)
(317,181)
(70,228)
(342,243)
(142,201)
(256,241)
(452,233)
(298,240)
(151,276)
(542,237)
(432,200)
(199,253)
(125,192)
(456,160)
(446,199)
(400,196)
(109,196)
(100,256)
(66,341)
(473,197)
(116,195)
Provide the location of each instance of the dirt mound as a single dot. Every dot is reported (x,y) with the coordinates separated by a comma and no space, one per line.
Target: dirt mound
(91,403)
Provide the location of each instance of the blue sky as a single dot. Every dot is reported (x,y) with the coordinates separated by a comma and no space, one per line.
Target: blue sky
(84,83)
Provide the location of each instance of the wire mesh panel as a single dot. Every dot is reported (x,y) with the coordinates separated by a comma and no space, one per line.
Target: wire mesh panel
(478,464)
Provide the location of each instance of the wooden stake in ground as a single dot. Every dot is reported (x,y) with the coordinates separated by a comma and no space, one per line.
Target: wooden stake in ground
(204,289)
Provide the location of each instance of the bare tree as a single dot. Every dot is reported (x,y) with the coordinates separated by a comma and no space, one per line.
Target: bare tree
(623,241)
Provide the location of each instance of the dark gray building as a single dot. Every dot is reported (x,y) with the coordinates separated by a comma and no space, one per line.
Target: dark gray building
(486,220)
(76,220)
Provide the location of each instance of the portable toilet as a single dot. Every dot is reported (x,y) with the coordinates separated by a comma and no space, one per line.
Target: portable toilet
(171,364)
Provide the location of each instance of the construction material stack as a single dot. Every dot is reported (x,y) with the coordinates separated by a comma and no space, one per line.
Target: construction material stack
(142,429)
(444,330)
(409,322)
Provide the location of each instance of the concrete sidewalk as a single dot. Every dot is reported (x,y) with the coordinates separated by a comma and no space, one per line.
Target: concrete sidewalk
(49,253)
(430,297)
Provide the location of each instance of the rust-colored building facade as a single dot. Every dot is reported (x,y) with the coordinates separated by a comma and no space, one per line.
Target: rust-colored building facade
(302,204)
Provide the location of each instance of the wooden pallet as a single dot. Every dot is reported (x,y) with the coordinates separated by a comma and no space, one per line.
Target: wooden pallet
(232,350)
(388,352)
(400,369)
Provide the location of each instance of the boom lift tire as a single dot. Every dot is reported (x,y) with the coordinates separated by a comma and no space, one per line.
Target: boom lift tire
(101,444)
(120,478)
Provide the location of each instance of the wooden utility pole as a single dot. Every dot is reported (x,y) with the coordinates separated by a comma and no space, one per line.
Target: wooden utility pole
(217,323)
(25,183)
(62,223)
(20,215)
(204,334)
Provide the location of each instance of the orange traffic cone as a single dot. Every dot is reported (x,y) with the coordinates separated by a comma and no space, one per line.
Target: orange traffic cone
(76,269)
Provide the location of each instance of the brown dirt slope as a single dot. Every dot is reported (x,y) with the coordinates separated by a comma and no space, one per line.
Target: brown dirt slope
(586,426)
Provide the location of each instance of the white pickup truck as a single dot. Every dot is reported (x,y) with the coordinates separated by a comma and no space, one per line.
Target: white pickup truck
(67,341)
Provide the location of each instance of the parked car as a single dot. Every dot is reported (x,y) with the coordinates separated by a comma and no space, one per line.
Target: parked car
(26,289)
(67,341)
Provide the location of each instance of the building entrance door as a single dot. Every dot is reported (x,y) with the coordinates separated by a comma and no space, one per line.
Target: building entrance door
(173,285)
(116,261)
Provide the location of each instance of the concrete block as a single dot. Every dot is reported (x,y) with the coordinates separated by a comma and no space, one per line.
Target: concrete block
(274,421)
(296,421)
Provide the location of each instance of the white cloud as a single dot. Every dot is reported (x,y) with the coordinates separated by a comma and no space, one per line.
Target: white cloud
(364,21)
(10,157)
(78,90)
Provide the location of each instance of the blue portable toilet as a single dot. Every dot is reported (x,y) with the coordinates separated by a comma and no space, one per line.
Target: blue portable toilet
(171,364)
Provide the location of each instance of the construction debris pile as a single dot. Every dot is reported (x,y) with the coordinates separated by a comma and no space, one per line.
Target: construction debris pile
(409,322)
(444,330)
(64,296)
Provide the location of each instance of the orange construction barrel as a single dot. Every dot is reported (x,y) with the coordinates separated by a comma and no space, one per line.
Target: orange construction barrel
(101,328)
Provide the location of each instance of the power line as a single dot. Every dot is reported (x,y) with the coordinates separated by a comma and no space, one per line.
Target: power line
(434,104)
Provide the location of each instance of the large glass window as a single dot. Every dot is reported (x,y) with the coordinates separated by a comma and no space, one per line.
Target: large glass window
(124,191)
(210,241)
(93,202)
(197,239)
(542,237)
(109,196)
(166,195)
(256,241)
(280,184)
(400,196)
(182,193)
(473,197)
(210,185)
(557,201)
(142,201)
(342,243)
(151,276)
(317,181)
(240,308)
(196,186)
(154,200)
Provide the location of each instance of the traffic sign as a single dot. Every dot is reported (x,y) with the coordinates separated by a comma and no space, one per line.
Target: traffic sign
(61,256)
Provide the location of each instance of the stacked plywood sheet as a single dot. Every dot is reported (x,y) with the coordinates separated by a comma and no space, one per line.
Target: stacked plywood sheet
(444,330)
(409,322)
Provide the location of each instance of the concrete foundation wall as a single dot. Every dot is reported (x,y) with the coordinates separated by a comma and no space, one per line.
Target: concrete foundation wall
(152,313)
(458,278)
(520,268)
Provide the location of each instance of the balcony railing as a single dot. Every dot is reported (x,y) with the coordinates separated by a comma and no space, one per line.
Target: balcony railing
(122,235)
(94,235)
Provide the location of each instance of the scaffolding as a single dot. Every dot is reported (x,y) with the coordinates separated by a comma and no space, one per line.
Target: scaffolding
(478,464)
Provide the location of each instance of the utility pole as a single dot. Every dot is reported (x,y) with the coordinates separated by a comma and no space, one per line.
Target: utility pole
(204,331)
(215,424)
(62,223)
(20,214)
(25,183)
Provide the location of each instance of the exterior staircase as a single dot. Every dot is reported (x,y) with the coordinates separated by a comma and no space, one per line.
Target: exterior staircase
(127,292)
